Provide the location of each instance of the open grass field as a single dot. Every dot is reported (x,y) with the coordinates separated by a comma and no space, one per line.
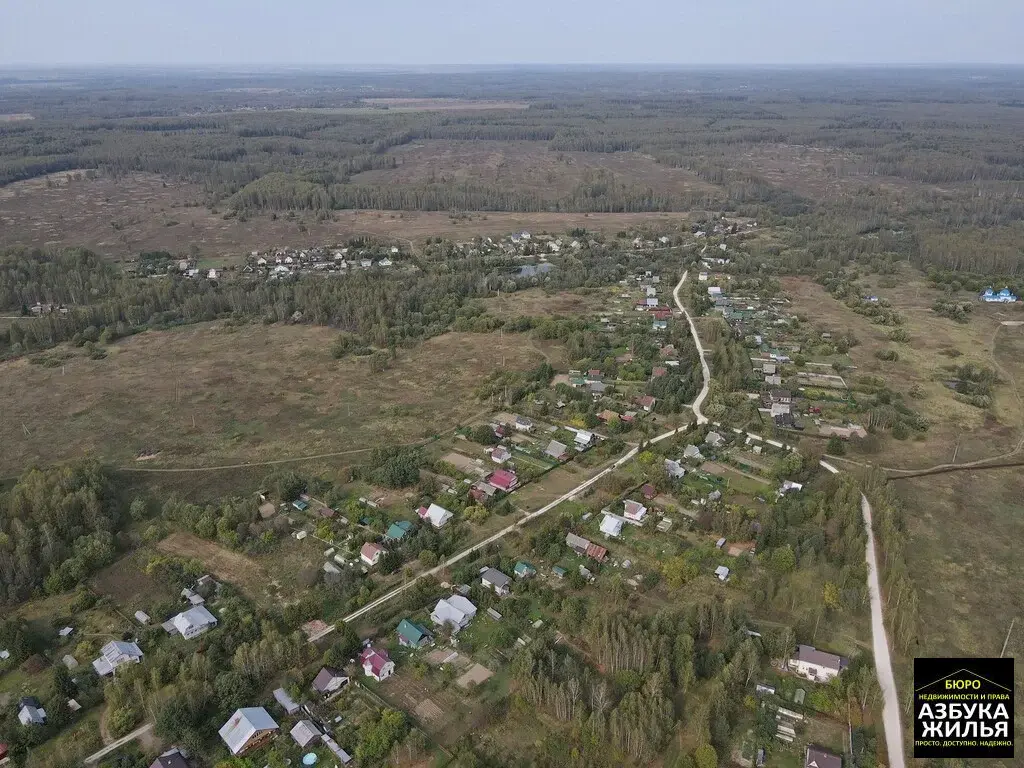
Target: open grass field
(964,557)
(935,343)
(127,583)
(120,217)
(209,395)
(528,166)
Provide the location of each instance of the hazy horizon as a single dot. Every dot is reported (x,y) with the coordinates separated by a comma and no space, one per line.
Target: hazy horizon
(318,34)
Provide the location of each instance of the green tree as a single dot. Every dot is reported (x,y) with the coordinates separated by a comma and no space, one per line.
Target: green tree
(705,756)
(836,447)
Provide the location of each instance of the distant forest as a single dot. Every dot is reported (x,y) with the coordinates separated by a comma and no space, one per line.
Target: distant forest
(932,153)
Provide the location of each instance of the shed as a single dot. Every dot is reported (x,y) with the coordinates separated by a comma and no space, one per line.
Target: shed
(287,702)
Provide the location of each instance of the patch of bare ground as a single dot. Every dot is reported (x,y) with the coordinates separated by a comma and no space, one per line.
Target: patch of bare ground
(529,166)
(210,395)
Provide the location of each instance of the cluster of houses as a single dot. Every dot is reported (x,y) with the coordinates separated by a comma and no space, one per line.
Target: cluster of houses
(283,262)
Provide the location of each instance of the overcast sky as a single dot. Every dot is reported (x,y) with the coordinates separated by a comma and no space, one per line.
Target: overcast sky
(446,32)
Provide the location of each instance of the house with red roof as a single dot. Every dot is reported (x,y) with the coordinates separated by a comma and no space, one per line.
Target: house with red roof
(647,402)
(648,491)
(376,663)
(371,553)
(503,480)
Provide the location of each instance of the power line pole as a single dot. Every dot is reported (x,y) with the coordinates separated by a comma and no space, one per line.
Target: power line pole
(1007,640)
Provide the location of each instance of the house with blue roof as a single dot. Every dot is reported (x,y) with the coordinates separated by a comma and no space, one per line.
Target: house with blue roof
(1004,296)
(397,530)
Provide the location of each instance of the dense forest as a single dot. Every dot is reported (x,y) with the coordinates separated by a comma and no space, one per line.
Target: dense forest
(925,164)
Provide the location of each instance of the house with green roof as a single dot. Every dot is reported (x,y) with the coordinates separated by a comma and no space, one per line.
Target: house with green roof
(397,530)
(413,635)
(524,570)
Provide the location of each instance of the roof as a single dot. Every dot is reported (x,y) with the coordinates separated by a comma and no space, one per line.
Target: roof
(323,679)
(243,725)
(304,732)
(286,701)
(597,552)
(414,633)
(436,514)
(634,510)
(722,572)
(117,648)
(503,479)
(398,530)
(370,550)
(611,525)
(172,759)
(576,542)
(495,577)
(555,449)
(816,757)
(375,658)
(199,616)
(453,610)
(811,655)
(523,567)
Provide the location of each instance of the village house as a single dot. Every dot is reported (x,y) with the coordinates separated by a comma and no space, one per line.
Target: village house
(523,424)
(413,635)
(648,491)
(611,526)
(304,733)
(173,758)
(376,663)
(583,439)
(722,572)
(455,611)
(492,578)
(328,681)
(114,654)
(504,480)
(436,514)
(500,454)
(692,452)
(816,665)
(1004,296)
(633,510)
(646,402)
(194,622)
(524,570)
(31,712)
(581,546)
(397,530)
(608,415)
(816,757)
(371,553)
(714,440)
(556,451)
(248,729)
(674,469)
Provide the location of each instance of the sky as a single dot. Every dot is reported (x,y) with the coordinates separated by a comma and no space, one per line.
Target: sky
(496,32)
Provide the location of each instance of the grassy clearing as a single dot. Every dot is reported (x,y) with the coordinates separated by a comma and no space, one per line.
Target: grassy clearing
(935,342)
(965,530)
(210,395)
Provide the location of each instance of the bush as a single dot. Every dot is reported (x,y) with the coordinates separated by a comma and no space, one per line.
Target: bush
(887,354)
(122,720)
(836,446)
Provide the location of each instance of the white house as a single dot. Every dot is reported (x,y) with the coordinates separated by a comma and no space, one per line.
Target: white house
(436,514)
(371,553)
(714,290)
(816,665)
(194,622)
(674,469)
(722,572)
(31,712)
(114,654)
(455,611)
(376,663)
(247,729)
(491,578)
(611,526)
(633,510)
